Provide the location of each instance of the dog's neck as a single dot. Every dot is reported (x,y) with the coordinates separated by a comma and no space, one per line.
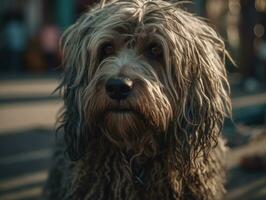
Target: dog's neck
(138,165)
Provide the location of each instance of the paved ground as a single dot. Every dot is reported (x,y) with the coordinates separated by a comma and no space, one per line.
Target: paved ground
(27,122)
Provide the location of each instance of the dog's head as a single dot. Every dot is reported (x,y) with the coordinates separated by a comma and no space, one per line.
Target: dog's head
(143,73)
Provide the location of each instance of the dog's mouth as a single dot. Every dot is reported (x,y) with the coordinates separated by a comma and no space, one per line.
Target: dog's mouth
(117,112)
(121,114)
(120,110)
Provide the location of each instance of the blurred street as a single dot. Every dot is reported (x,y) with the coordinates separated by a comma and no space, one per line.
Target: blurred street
(27,122)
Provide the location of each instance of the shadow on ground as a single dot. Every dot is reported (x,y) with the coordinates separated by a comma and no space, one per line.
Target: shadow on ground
(245,185)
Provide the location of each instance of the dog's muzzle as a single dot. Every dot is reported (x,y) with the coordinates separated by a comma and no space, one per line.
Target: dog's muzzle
(119,88)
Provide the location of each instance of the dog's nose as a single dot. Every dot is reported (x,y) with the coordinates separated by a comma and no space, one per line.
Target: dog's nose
(118,88)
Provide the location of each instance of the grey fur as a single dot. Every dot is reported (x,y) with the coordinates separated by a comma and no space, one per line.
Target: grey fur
(169,145)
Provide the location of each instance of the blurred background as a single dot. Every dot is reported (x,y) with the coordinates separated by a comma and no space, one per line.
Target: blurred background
(29,72)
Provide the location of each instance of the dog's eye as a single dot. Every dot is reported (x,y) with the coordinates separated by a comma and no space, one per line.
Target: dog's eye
(155,50)
(107,49)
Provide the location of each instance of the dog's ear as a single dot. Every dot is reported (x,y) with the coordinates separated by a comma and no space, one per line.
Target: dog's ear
(202,90)
(75,59)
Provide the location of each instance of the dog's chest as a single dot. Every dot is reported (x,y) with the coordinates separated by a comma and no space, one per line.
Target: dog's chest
(110,177)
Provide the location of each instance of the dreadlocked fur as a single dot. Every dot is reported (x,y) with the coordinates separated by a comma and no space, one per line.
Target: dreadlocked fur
(166,143)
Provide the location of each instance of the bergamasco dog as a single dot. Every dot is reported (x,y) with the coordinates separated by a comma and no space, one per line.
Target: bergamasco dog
(145,95)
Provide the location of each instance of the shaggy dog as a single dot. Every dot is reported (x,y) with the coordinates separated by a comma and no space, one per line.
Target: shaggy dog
(145,96)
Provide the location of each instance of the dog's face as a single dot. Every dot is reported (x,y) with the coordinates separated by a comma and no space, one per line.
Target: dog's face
(137,70)
(127,96)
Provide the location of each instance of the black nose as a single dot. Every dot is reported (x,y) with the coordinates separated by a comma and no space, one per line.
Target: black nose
(118,88)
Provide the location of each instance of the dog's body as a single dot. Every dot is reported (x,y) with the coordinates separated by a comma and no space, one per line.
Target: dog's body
(105,175)
(145,94)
